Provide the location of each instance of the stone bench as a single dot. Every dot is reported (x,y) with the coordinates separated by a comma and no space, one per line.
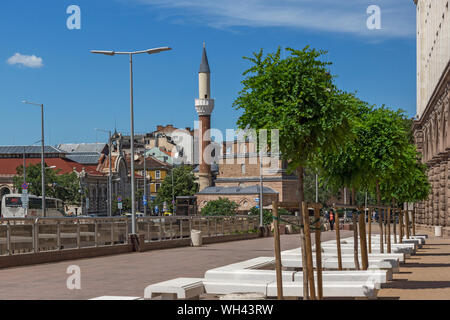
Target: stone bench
(407,248)
(354,289)
(116,298)
(251,276)
(391,265)
(179,288)
(340,289)
(399,256)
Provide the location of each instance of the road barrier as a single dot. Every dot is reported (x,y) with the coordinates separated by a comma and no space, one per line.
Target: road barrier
(29,235)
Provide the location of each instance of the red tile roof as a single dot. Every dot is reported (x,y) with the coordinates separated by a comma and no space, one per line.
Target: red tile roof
(8,166)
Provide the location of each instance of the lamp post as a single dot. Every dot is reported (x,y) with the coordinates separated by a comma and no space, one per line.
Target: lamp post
(42,154)
(261,221)
(130,54)
(110,171)
(145,185)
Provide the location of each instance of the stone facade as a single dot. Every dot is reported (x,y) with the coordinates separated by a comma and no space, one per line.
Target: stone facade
(433,107)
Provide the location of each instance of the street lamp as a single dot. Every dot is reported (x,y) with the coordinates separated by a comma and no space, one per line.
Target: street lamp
(110,172)
(42,153)
(130,54)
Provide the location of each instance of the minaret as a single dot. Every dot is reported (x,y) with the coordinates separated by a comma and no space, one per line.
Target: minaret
(204,106)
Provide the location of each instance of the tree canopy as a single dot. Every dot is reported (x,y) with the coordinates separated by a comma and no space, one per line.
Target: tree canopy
(62,186)
(184,184)
(297,96)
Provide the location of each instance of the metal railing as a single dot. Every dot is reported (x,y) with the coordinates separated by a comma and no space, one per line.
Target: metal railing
(25,235)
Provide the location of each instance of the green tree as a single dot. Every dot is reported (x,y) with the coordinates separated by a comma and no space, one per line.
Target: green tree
(220,207)
(183,185)
(62,186)
(297,96)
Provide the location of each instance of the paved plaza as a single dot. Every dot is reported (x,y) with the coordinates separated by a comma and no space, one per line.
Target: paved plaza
(425,275)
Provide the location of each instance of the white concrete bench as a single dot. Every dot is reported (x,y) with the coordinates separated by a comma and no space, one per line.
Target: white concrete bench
(247,275)
(179,288)
(407,248)
(332,263)
(378,276)
(116,298)
(399,256)
(228,287)
(352,289)
(255,263)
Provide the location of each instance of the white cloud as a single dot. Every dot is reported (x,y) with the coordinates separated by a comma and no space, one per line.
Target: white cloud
(349,16)
(26,61)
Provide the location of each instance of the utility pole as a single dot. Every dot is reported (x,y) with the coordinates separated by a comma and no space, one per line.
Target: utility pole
(42,154)
(24,167)
(145,186)
(261,223)
(173,192)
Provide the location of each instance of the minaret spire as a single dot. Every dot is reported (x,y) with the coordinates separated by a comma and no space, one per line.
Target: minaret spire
(204,65)
(204,106)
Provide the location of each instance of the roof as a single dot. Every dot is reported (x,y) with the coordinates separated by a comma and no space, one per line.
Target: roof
(150,163)
(204,65)
(28,149)
(8,165)
(237,190)
(84,158)
(83,147)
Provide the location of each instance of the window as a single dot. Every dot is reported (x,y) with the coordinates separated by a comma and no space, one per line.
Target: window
(158,174)
(13,202)
(243,168)
(158,185)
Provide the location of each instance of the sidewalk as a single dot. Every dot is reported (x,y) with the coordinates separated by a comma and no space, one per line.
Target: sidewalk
(129,274)
(425,275)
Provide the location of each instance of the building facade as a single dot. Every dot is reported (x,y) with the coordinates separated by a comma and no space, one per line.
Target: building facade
(90,162)
(433,106)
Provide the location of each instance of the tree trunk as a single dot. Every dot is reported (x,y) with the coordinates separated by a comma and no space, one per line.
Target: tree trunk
(355,232)
(301,194)
(362,237)
(309,259)
(380,218)
(389,230)
(338,238)
(395,225)
(407,233)
(369,219)
(400,225)
(318,254)
(414,221)
(277,250)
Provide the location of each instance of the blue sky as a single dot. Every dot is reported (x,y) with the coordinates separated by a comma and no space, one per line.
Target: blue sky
(82,91)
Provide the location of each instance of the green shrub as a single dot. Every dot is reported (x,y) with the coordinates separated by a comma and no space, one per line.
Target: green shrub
(220,207)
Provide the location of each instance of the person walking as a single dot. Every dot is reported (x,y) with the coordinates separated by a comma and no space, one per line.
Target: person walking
(331,219)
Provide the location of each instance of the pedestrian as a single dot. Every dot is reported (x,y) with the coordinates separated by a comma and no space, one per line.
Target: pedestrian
(331,219)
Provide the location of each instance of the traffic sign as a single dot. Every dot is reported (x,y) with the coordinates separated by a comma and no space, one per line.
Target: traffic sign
(119,205)
(257,199)
(119,199)
(25,200)
(25,185)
